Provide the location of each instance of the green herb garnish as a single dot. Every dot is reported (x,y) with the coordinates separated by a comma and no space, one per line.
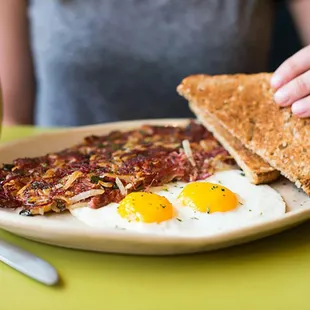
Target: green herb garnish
(39,185)
(120,228)
(139,188)
(61,205)
(115,147)
(94,179)
(8,167)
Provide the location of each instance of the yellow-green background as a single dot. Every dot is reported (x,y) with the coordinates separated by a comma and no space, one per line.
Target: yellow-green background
(273,273)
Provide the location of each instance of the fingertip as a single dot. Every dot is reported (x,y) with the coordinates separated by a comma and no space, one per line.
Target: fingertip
(276,81)
(303,115)
(281,97)
(300,109)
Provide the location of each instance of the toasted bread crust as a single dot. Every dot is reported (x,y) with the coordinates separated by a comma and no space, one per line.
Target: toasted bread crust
(243,105)
(255,169)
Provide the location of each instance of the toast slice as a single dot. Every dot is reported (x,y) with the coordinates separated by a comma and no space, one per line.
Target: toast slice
(243,104)
(255,169)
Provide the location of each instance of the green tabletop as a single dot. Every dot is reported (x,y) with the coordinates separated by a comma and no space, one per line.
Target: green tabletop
(273,273)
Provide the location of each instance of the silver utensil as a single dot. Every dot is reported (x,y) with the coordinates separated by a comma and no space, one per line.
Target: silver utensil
(27,263)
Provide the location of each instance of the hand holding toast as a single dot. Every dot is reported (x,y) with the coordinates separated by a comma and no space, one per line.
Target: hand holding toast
(292,83)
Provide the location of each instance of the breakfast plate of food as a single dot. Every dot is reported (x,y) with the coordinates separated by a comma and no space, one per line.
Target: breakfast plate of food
(237,173)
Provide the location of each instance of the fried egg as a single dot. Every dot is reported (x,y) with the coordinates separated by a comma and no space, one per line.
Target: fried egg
(220,203)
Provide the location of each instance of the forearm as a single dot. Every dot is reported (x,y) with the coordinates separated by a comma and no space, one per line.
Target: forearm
(16,70)
(17,85)
(300,10)
(18,104)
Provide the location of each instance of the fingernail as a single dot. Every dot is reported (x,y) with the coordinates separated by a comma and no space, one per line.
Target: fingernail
(281,96)
(299,108)
(275,81)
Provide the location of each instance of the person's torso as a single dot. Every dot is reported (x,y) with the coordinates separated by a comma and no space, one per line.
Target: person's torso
(108,60)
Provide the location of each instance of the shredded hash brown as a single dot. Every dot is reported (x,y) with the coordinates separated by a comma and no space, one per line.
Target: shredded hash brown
(103,169)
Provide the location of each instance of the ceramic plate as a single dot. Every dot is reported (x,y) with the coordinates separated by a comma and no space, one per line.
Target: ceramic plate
(66,231)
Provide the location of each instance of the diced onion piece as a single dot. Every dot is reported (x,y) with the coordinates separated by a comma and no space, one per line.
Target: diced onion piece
(121,187)
(46,191)
(42,209)
(55,208)
(21,191)
(218,163)
(49,174)
(58,186)
(128,186)
(220,166)
(64,198)
(105,184)
(75,175)
(78,205)
(87,194)
(124,177)
(188,152)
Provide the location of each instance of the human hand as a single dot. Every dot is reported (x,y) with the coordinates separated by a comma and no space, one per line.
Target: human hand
(292,83)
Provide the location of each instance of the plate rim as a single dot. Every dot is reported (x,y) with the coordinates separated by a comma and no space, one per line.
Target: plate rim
(288,219)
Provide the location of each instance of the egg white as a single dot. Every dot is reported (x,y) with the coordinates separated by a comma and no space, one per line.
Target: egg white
(256,204)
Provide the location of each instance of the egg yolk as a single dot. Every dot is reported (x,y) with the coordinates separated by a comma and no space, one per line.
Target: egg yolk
(145,207)
(208,197)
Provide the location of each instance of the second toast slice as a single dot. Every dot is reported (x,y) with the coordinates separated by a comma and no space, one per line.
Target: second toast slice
(255,169)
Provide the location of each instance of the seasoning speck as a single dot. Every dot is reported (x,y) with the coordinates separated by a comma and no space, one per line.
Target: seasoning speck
(25,213)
